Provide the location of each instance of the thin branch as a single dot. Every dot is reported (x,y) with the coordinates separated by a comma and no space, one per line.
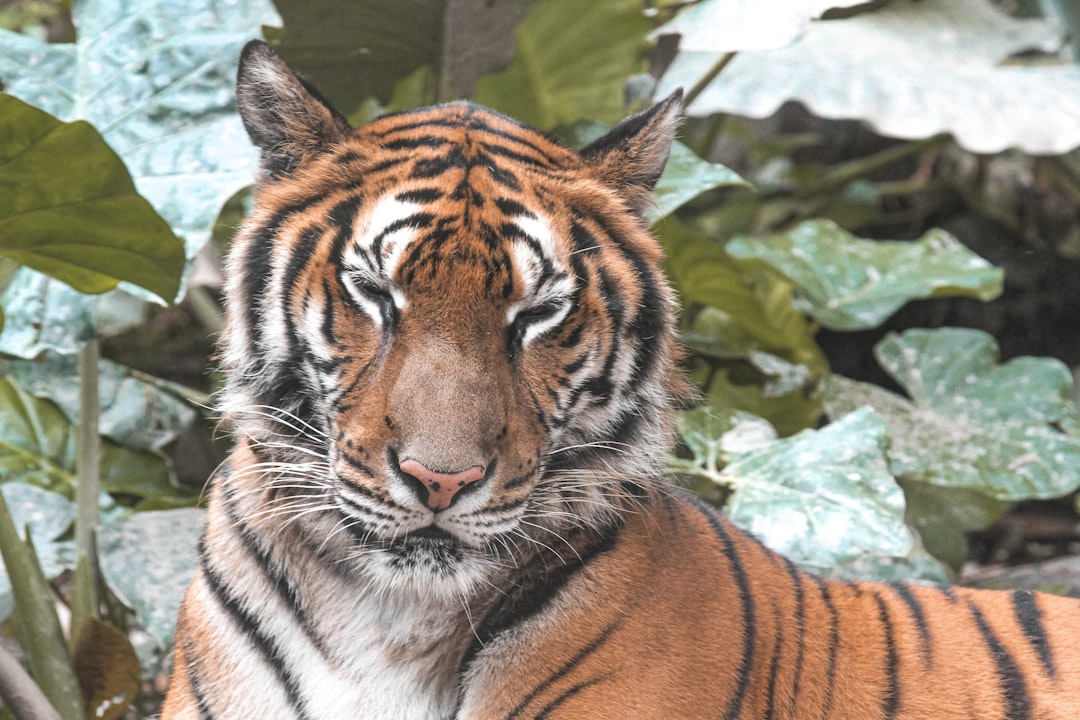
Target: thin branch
(20,693)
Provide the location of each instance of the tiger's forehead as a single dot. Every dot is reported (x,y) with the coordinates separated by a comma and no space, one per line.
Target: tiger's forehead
(459,188)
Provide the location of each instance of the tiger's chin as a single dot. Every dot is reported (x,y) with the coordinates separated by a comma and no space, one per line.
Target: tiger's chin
(431,562)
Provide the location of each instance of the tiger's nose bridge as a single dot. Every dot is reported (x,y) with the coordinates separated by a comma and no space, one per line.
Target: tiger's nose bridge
(438,489)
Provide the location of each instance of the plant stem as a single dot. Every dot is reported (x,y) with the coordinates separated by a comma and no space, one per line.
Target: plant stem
(840,175)
(20,693)
(700,85)
(88,485)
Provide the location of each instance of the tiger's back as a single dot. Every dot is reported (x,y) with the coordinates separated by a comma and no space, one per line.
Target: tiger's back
(451,366)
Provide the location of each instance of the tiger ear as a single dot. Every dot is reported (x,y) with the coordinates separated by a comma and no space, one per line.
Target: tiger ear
(633,155)
(284,115)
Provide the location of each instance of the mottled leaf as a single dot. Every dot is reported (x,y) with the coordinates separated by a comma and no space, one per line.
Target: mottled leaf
(736,25)
(156,80)
(47,516)
(148,561)
(134,413)
(910,70)
(851,284)
(43,314)
(822,497)
(969,422)
(37,446)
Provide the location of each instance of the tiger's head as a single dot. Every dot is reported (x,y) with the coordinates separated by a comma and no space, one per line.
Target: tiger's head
(449,329)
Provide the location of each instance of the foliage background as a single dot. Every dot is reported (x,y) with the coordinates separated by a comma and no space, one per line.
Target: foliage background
(883,235)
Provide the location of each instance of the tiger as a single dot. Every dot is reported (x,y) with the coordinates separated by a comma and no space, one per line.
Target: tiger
(452,370)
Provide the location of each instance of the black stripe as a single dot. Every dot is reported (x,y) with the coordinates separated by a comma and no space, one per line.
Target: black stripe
(535,586)
(569,665)
(328,333)
(190,661)
(298,262)
(890,703)
(774,665)
(258,267)
(800,623)
(435,166)
(904,593)
(512,208)
(249,625)
(341,216)
(515,156)
(429,141)
(1013,689)
(421,195)
(1028,614)
(561,699)
(287,594)
(834,645)
(416,221)
(502,176)
(742,584)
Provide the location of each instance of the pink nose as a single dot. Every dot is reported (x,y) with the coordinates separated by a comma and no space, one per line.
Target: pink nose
(441,487)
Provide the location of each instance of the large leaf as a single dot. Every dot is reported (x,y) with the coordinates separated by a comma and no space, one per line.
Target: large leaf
(824,498)
(360,49)
(39,624)
(911,70)
(156,79)
(133,412)
(47,516)
(572,62)
(745,24)
(851,284)
(685,176)
(37,446)
(754,303)
(970,422)
(69,208)
(148,561)
(43,314)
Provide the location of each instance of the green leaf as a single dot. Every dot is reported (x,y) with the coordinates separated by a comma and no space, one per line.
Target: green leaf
(822,497)
(944,515)
(37,446)
(687,176)
(943,63)
(737,25)
(47,516)
(148,561)
(43,314)
(39,625)
(851,284)
(571,63)
(156,79)
(134,413)
(91,229)
(755,303)
(969,422)
(361,49)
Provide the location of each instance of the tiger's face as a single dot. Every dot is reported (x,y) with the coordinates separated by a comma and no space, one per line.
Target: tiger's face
(449,355)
